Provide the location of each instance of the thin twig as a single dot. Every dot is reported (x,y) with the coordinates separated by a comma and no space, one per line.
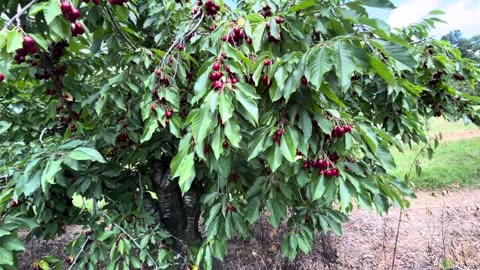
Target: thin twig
(131,238)
(78,254)
(41,134)
(19,13)
(396,237)
(119,30)
(177,41)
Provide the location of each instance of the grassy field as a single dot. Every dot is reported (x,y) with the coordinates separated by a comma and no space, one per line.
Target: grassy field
(455,162)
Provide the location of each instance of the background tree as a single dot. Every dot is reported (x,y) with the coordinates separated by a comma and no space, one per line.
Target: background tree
(470,47)
(165,111)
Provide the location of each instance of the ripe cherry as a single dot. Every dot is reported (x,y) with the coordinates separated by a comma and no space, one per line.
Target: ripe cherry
(248,40)
(154,107)
(216,66)
(304,81)
(74,15)
(266,62)
(180,47)
(280,132)
(225,144)
(66,7)
(158,72)
(28,42)
(2,77)
(169,113)
(329,173)
(217,85)
(265,79)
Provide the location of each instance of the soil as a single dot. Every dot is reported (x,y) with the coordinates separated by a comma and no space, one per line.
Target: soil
(461,135)
(441,230)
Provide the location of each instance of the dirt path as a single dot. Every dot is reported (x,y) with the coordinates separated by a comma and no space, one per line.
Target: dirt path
(442,225)
(436,227)
(461,135)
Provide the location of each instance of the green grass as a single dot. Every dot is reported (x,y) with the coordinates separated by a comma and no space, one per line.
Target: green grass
(453,162)
(438,125)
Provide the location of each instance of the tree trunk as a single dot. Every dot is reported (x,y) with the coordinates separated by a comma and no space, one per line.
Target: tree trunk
(178,214)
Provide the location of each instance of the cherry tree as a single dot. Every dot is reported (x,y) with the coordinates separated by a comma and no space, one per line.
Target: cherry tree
(171,116)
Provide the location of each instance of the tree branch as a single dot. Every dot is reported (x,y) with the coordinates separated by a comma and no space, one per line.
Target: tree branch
(119,30)
(19,13)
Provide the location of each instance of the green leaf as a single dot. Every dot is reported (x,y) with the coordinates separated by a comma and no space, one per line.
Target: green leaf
(256,145)
(257,38)
(178,158)
(401,55)
(385,157)
(344,64)
(382,69)
(51,11)
(319,188)
(201,86)
(246,96)
(186,172)
(302,6)
(4,126)
(12,243)
(48,175)
(217,142)
(225,106)
(150,127)
(305,124)
(86,153)
(344,195)
(6,257)
(37,8)
(275,158)
(232,131)
(293,81)
(14,40)
(202,123)
(319,64)
(289,144)
(61,28)
(369,136)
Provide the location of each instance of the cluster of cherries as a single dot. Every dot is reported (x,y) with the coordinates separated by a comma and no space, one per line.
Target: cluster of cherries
(162,77)
(278,135)
(28,48)
(338,131)
(266,63)
(211,7)
(266,11)
(72,14)
(236,37)
(168,111)
(324,167)
(216,77)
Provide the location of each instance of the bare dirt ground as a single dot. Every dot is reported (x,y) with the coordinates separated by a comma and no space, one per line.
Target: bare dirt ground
(461,135)
(443,226)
